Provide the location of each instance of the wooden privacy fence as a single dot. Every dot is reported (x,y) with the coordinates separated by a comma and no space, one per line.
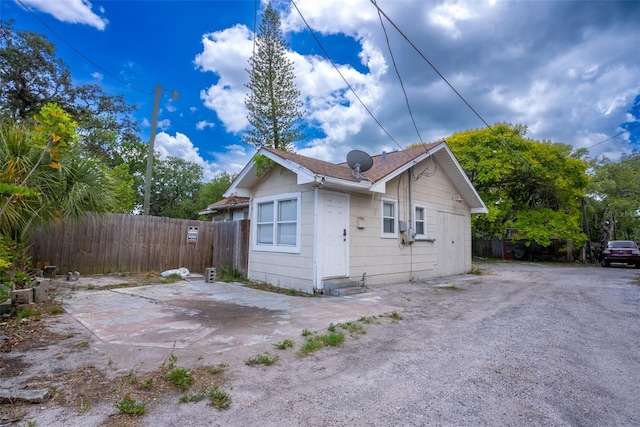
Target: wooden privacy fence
(109,243)
(231,246)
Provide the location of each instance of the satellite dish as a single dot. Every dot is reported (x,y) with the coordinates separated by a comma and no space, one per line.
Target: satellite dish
(359,161)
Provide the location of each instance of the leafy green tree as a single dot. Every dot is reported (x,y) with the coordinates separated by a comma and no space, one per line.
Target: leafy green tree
(534,188)
(275,110)
(614,198)
(54,180)
(31,76)
(175,188)
(213,191)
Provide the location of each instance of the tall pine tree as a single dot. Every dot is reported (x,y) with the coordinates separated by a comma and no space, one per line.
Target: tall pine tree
(275,110)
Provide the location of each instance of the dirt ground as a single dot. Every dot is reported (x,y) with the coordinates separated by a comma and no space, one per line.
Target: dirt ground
(519,344)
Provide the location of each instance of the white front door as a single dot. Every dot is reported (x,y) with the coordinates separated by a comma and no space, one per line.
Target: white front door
(333,235)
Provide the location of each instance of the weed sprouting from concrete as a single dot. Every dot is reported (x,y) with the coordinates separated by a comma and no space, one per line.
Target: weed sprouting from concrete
(180,377)
(130,406)
(333,339)
(55,310)
(219,398)
(368,319)
(353,328)
(394,316)
(310,345)
(266,359)
(283,345)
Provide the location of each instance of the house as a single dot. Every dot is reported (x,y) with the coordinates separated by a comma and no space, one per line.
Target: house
(228,209)
(406,218)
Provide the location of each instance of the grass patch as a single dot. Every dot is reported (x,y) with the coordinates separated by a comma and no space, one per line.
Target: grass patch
(368,319)
(332,339)
(306,332)
(192,398)
(130,406)
(275,289)
(262,359)
(318,342)
(180,377)
(283,345)
(450,288)
(353,328)
(232,275)
(219,398)
(476,271)
(394,316)
(55,310)
(172,278)
(27,313)
(310,345)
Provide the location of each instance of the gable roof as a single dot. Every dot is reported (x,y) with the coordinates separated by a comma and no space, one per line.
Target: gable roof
(339,176)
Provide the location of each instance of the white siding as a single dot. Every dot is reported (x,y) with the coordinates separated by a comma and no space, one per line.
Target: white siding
(286,270)
(388,260)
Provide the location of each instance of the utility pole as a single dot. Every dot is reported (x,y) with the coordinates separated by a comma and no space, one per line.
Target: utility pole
(152,139)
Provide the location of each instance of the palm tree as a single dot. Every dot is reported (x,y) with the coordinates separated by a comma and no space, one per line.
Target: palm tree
(43,177)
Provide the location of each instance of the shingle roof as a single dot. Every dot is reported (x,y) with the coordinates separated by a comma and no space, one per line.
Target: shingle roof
(227,203)
(378,171)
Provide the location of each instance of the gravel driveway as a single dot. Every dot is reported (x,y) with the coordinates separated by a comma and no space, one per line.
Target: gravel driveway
(521,344)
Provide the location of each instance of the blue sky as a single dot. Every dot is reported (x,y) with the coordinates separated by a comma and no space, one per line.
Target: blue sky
(569,70)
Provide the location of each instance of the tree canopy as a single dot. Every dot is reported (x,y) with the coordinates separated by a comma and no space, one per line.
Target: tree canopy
(532,188)
(614,198)
(43,177)
(275,110)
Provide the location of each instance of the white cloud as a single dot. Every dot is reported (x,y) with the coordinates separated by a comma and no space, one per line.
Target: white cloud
(233,158)
(226,53)
(548,65)
(164,124)
(203,124)
(71,11)
(98,76)
(448,15)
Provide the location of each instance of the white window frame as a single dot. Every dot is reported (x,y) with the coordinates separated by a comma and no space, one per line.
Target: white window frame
(417,206)
(393,235)
(275,247)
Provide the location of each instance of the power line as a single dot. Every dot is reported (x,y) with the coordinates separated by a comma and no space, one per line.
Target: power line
(614,136)
(85,57)
(395,67)
(344,79)
(434,68)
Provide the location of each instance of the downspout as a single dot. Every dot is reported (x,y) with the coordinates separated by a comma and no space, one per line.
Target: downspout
(410,173)
(315,281)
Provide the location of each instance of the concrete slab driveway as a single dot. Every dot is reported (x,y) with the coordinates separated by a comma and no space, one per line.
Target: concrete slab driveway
(209,317)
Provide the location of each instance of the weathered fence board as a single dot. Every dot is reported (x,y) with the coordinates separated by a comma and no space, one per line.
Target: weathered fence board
(102,244)
(231,246)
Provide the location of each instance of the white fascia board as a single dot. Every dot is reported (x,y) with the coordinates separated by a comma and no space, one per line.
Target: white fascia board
(483,207)
(234,188)
(479,210)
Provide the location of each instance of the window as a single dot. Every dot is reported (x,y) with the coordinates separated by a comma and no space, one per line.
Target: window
(277,222)
(420,221)
(389,218)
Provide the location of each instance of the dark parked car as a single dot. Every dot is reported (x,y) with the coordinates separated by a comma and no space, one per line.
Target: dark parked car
(622,251)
